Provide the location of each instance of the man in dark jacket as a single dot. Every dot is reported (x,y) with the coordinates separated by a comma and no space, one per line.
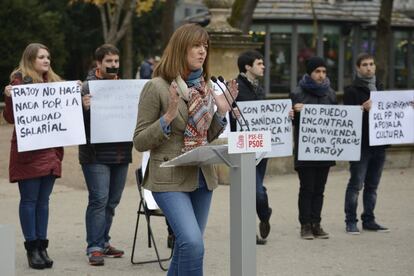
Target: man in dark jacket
(147,67)
(104,166)
(251,68)
(313,88)
(367,171)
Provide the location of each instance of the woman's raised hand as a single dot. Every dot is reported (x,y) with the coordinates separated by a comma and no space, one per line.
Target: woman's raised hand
(173,99)
(223,105)
(7,90)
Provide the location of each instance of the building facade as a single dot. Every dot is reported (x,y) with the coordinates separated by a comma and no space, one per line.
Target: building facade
(338,30)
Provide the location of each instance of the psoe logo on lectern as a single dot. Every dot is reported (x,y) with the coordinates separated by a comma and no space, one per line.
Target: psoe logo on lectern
(249,141)
(240,141)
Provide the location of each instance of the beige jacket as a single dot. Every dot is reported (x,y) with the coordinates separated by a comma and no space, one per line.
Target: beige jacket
(149,135)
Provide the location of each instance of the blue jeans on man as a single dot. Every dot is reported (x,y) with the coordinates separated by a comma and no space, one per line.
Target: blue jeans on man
(262,202)
(366,174)
(187,213)
(34,206)
(105,184)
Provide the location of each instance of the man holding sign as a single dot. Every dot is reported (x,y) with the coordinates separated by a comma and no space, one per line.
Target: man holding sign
(313,88)
(104,165)
(366,172)
(251,68)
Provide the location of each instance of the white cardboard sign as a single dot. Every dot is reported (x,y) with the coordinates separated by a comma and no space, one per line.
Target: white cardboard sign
(330,132)
(391,118)
(272,116)
(114,109)
(48,115)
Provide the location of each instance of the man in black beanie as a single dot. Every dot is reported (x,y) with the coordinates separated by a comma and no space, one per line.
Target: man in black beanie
(313,63)
(365,173)
(313,88)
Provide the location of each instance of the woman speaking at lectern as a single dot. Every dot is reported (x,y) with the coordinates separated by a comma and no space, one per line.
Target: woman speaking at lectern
(176,114)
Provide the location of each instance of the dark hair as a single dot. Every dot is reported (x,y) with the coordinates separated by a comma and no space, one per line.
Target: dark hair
(104,50)
(247,58)
(363,56)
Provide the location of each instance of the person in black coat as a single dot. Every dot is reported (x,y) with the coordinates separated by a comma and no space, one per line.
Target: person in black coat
(313,88)
(251,68)
(104,166)
(365,173)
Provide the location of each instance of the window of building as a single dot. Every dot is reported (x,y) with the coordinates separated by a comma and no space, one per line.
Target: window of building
(411,77)
(187,12)
(368,41)
(280,57)
(330,53)
(400,59)
(349,59)
(307,44)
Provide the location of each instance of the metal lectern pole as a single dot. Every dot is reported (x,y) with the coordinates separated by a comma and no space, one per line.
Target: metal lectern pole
(243,214)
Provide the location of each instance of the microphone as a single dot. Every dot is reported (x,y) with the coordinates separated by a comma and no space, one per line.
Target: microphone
(214,79)
(221,79)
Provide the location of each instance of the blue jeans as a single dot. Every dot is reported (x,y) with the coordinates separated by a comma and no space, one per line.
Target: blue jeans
(364,173)
(105,184)
(262,203)
(187,213)
(34,206)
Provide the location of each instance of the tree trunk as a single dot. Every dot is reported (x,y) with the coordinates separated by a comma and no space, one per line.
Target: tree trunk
(118,23)
(127,53)
(242,14)
(167,21)
(383,39)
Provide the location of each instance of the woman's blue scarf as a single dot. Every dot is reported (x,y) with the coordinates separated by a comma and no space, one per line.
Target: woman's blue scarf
(194,79)
(309,85)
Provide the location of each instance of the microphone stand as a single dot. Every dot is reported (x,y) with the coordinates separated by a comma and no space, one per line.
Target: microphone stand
(214,79)
(221,79)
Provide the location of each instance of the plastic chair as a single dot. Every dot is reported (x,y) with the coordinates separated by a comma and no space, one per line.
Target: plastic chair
(143,210)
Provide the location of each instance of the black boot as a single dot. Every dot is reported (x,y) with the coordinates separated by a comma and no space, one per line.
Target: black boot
(33,255)
(43,244)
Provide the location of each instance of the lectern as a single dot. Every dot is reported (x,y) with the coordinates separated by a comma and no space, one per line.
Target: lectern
(242,201)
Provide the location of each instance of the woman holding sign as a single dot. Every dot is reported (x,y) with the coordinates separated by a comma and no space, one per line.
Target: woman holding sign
(175,115)
(313,88)
(34,171)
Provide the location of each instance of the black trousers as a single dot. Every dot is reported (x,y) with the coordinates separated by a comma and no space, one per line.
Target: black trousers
(312,187)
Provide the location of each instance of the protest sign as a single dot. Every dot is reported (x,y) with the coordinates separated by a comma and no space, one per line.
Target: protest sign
(114,109)
(330,132)
(48,115)
(391,118)
(271,115)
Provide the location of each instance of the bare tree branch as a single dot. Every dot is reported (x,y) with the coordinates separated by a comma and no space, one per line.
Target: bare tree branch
(104,22)
(119,6)
(126,22)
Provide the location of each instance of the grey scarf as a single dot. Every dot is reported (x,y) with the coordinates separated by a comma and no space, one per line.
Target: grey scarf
(254,82)
(369,82)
